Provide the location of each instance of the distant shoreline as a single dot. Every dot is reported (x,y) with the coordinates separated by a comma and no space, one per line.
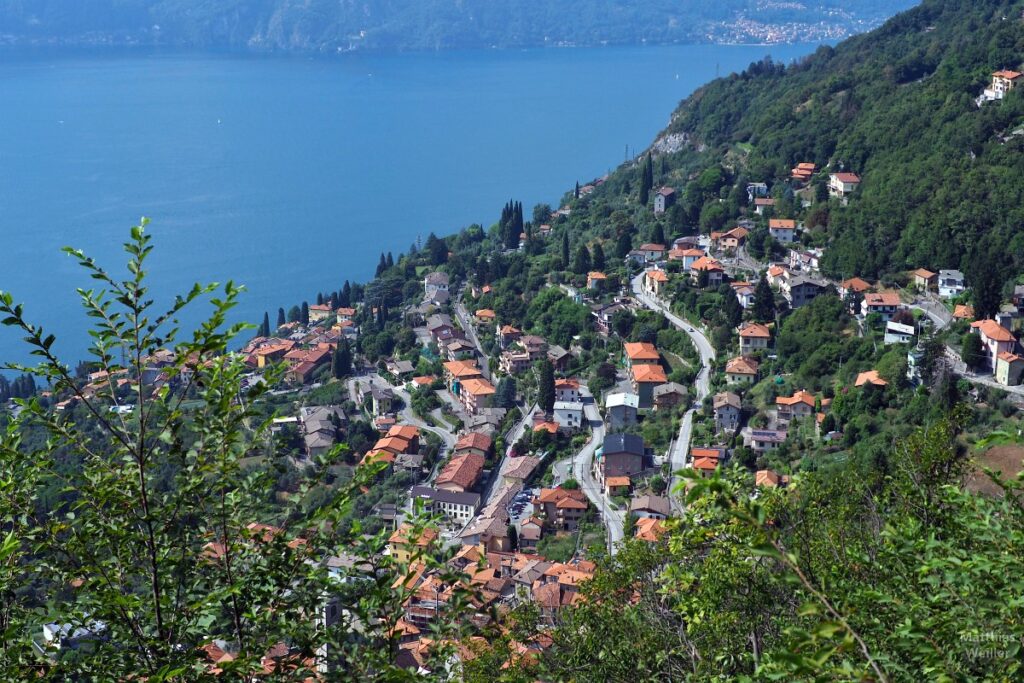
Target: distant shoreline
(150,49)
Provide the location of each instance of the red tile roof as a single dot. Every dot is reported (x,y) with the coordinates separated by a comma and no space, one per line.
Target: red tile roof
(641,351)
(478,387)
(766,478)
(393,444)
(407,432)
(741,366)
(706,263)
(649,529)
(755,330)
(963,312)
(882,299)
(649,374)
(556,494)
(550,427)
(474,440)
(706,464)
(402,535)
(869,377)
(462,470)
(994,331)
(799,397)
(855,284)
(462,369)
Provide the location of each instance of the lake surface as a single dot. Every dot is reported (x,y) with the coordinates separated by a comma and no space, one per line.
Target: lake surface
(291,175)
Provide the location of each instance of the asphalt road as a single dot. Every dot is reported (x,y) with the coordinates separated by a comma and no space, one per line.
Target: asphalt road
(681,446)
(448,439)
(467,326)
(583,473)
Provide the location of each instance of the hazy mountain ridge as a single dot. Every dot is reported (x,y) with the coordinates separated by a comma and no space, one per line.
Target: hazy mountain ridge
(343,25)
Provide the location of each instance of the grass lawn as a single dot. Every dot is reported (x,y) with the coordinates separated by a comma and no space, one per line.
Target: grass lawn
(557,548)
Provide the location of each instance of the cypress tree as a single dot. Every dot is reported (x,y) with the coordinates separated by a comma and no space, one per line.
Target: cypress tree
(381,265)
(581,262)
(763,309)
(546,387)
(972,352)
(304,314)
(986,290)
(658,234)
(597,257)
(265,327)
(565,250)
(391,260)
(437,249)
(345,300)
(319,299)
(345,358)
(505,396)
(280,318)
(337,369)
(731,308)
(646,180)
(703,279)
(576,194)
(624,244)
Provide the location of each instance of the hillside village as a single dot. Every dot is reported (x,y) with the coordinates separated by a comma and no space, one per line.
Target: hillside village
(537,439)
(548,389)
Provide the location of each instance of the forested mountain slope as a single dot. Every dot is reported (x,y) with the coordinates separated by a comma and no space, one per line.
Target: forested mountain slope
(942,178)
(333,25)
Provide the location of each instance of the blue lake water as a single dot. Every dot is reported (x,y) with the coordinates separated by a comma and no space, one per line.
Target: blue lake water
(291,175)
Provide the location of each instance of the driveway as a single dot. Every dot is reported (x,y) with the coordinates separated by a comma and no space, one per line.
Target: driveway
(935,310)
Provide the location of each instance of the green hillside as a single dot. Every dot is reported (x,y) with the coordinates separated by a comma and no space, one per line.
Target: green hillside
(941,181)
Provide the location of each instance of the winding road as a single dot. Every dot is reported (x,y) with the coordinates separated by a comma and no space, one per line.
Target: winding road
(583,472)
(681,446)
(467,326)
(409,417)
